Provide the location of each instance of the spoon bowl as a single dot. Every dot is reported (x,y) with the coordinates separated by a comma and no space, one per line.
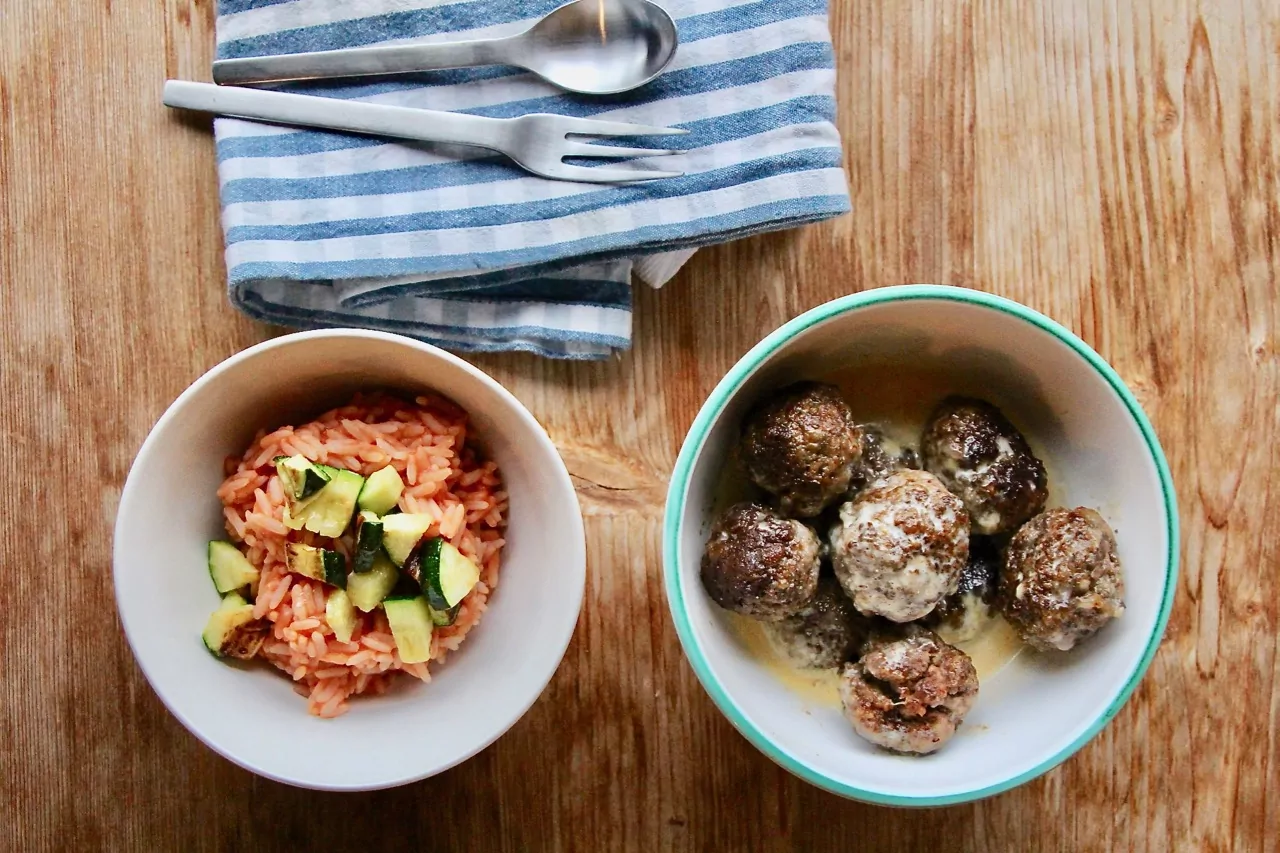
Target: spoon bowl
(591,47)
(601,47)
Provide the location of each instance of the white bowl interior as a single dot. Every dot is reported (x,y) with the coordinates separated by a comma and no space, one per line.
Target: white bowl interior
(1033,712)
(250,714)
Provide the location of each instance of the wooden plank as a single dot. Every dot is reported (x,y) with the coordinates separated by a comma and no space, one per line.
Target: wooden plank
(1114,165)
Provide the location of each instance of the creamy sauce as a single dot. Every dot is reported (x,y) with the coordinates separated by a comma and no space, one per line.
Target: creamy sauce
(993,648)
(899,398)
(896,398)
(991,651)
(817,687)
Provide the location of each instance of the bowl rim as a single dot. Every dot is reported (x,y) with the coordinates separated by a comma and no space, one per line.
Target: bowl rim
(537,433)
(710,413)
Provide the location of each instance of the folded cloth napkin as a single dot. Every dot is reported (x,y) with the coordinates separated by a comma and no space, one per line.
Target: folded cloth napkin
(464,249)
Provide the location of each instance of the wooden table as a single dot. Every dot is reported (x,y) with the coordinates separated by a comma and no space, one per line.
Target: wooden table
(1117,168)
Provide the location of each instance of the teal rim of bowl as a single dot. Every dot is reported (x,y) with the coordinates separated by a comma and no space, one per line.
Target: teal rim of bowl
(710,412)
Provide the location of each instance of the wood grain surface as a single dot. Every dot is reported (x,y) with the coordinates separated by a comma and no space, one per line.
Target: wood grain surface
(1113,164)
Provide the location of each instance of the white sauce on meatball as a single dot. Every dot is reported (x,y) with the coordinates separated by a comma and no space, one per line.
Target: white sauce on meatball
(899,549)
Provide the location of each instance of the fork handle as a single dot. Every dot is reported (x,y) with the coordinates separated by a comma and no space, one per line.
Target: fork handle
(363,61)
(336,114)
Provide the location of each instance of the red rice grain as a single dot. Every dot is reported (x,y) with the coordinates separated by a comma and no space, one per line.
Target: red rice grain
(426,442)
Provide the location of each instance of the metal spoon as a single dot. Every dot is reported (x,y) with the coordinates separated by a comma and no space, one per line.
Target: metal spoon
(593,47)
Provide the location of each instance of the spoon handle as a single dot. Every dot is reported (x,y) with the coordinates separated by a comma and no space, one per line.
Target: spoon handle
(335,114)
(363,61)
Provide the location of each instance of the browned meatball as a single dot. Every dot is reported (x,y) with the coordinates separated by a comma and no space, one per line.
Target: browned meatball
(909,695)
(986,462)
(962,616)
(824,634)
(760,564)
(1061,578)
(899,548)
(880,458)
(802,446)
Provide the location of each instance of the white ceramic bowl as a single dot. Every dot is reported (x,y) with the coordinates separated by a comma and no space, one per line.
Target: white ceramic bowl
(250,714)
(1100,450)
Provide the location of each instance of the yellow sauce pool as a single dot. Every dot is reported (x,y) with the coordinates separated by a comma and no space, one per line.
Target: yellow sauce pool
(899,398)
(991,651)
(816,686)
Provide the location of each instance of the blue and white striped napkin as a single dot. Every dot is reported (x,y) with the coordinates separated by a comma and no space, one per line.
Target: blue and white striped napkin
(462,248)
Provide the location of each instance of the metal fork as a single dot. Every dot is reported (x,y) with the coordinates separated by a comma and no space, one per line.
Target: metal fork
(539,142)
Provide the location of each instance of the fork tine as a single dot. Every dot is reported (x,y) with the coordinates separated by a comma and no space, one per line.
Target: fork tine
(586,149)
(604,174)
(594,127)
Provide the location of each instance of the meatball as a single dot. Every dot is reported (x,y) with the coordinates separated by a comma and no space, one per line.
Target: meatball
(909,695)
(880,458)
(802,446)
(827,632)
(899,548)
(1061,579)
(985,461)
(962,616)
(760,564)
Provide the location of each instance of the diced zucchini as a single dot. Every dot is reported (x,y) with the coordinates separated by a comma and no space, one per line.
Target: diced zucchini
(410,621)
(412,568)
(340,613)
(444,618)
(381,491)
(447,576)
(368,541)
(328,511)
(230,569)
(367,589)
(232,631)
(402,532)
(318,563)
(300,477)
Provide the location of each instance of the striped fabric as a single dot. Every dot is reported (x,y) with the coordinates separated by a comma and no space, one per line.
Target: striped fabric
(461,248)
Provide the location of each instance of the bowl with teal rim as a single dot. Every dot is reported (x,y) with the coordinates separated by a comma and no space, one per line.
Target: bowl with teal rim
(1100,450)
